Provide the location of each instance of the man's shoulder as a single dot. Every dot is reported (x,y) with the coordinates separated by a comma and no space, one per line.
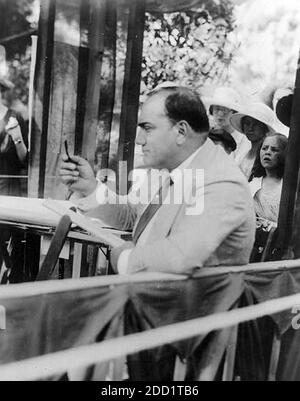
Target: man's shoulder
(218,166)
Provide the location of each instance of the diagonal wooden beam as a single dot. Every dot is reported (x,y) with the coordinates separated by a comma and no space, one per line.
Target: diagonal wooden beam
(55,248)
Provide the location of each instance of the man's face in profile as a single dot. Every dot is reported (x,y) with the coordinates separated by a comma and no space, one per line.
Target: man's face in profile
(156,134)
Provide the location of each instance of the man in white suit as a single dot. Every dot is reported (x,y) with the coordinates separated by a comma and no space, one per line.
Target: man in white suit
(214,222)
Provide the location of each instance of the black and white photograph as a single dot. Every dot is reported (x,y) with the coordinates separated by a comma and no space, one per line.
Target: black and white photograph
(149,182)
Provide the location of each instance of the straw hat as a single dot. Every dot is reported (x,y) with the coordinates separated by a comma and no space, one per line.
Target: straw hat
(225,97)
(259,111)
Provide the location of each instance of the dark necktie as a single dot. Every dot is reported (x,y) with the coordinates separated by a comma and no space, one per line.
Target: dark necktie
(151,209)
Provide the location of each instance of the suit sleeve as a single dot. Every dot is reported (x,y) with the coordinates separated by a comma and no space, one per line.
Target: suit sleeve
(116,211)
(119,211)
(121,217)
(226,207)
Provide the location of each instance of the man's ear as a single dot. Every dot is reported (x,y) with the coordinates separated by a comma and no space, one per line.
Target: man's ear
(182,129)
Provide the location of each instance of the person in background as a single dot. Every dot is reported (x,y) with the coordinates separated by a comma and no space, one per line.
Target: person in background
(255,121)
(266,179)
(271,95)
(224,103)
(13,146)
(283,103)
(13,163)
(266,185)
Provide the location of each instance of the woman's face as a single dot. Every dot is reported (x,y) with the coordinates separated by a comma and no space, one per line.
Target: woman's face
(221,116)
(254,130)
(270,153)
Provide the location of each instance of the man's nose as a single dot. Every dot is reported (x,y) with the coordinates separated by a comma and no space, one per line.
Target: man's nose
(140,138)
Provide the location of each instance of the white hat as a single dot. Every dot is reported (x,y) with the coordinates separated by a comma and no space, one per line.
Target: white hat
(225,97)
(259,111)
(281,128)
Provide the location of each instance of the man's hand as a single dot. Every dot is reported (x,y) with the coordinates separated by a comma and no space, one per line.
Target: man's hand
(78,176)
(87,203)
(116,252)
(14,129)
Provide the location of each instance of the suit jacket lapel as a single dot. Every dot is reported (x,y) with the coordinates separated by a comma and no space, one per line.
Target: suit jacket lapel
(167,213)
(164,221)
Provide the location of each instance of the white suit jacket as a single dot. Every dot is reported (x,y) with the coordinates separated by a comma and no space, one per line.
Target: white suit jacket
(223,234)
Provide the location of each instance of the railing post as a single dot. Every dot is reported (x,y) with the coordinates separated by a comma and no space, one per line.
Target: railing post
(288,239)
(131,91)
(228,372)
(274,357)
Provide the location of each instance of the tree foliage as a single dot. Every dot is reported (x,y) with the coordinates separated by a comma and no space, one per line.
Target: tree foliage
(190,47)
(268,32)
(15,18)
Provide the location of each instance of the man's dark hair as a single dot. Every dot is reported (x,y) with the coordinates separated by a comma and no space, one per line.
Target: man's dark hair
(185,104)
